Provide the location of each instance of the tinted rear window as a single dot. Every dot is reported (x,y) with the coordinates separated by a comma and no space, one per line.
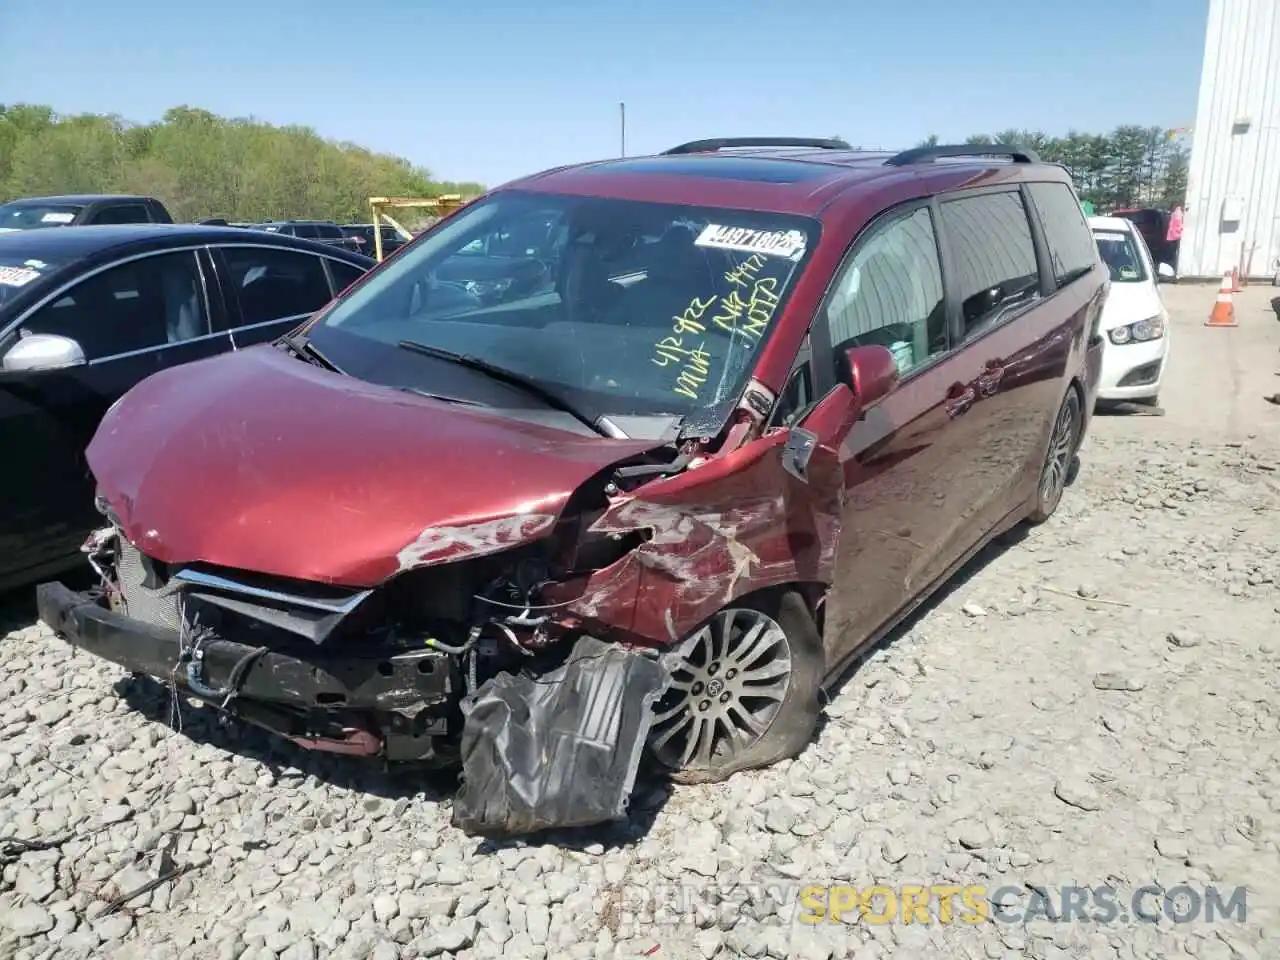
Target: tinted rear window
(994,257)
(1072,251)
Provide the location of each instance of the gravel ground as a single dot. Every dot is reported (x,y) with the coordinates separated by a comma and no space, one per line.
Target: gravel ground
(1095,705)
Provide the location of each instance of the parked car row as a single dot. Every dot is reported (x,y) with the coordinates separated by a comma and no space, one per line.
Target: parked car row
(743,406)
(32,213)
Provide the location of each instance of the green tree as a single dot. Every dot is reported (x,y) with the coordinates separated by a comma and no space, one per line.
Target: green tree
(1130,166)
(203,165)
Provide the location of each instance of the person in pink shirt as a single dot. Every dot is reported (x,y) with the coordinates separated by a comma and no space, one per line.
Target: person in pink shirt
(1173,235)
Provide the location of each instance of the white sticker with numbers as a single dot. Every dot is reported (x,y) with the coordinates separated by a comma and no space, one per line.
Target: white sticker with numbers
(17,276)
(773,243)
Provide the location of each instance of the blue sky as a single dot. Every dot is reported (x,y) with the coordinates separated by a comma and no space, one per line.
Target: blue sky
(493,90)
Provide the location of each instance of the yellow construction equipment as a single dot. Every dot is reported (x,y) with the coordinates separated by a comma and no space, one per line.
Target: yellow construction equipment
(439,207)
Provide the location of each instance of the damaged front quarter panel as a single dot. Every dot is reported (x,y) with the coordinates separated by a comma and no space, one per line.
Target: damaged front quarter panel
(734,524)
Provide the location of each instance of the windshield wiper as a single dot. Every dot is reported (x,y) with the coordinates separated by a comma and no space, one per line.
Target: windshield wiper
(308,351)
(527,384)
(417,392)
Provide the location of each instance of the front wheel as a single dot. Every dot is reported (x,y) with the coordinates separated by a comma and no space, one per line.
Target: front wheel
(744,692)
(1057,462)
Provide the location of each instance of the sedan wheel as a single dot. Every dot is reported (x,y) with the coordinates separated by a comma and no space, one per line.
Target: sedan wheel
(1057,463)
(743,694)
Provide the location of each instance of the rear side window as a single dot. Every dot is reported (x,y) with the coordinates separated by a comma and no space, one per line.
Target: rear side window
(994,258)
(276,284)
(344,274)
(1072,251)
(123,213)
(307,230)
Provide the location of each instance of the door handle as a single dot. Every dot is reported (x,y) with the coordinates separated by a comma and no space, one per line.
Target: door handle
(960,399)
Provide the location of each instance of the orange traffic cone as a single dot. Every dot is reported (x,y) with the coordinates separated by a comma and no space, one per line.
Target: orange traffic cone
(1224,312)
(1235,280)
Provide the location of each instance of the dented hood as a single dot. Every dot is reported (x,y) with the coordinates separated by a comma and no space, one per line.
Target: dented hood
(258,461)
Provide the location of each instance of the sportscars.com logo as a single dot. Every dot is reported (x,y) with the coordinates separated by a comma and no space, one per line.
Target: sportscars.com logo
(974,903)
(676,905)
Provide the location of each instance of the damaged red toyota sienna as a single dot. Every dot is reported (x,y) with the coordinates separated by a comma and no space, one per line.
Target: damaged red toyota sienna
(635,454)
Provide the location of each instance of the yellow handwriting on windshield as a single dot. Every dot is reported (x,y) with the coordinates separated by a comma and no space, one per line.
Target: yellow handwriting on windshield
(749,315)
(742,275)
(694,374)
(690,320)
(693,362)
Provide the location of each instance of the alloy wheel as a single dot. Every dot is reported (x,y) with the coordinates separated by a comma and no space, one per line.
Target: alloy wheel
(1061,448)
(731,679)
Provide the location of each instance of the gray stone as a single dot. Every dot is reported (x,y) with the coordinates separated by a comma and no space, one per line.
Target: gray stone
(28,920)
(1079,793)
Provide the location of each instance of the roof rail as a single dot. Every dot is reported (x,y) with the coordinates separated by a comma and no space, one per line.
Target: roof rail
(704,146)
(929,154)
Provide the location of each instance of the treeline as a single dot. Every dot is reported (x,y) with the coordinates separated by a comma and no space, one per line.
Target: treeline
(201,165)
(1129,167)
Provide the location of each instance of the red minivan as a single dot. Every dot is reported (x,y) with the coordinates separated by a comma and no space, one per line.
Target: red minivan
(624,456)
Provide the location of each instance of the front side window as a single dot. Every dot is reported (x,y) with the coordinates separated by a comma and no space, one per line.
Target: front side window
(272,284)
(149,302)
(1072,251)
(623,307)
(1120,254)
(994,257)
(890,293)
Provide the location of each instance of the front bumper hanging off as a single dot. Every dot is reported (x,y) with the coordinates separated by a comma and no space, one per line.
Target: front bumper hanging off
(537,751)
(345,703)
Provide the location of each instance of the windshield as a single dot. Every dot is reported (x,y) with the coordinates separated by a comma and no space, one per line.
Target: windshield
(621,307)
(15,274)
(1121,256)
(34,216)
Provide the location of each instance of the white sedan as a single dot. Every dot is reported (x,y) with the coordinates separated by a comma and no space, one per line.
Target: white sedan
(1134,320)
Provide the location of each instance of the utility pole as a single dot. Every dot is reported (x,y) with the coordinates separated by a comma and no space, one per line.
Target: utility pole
(622,120)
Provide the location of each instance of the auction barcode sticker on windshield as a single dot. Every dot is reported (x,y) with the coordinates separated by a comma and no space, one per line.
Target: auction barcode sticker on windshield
(17,276)
(57,218)
(774,243)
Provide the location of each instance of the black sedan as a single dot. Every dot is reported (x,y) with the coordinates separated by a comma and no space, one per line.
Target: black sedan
(85,314)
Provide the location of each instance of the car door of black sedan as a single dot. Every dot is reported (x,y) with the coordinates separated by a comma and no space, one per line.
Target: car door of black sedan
(131,318)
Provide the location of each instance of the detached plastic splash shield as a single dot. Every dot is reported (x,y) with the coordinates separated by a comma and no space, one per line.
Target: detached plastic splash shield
(559,750)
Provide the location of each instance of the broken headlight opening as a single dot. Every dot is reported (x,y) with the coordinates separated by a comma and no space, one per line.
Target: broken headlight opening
(453,665)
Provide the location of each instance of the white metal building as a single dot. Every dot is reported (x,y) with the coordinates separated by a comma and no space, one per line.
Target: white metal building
(1232,216)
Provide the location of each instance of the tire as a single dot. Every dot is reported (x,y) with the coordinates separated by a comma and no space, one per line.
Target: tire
(1058,467)
(690,736)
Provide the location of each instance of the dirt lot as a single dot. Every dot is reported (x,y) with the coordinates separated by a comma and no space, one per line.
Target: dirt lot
(1094,706)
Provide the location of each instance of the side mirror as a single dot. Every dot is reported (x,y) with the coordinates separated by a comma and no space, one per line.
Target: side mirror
(872,372)
(1166,272)
(42,351)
